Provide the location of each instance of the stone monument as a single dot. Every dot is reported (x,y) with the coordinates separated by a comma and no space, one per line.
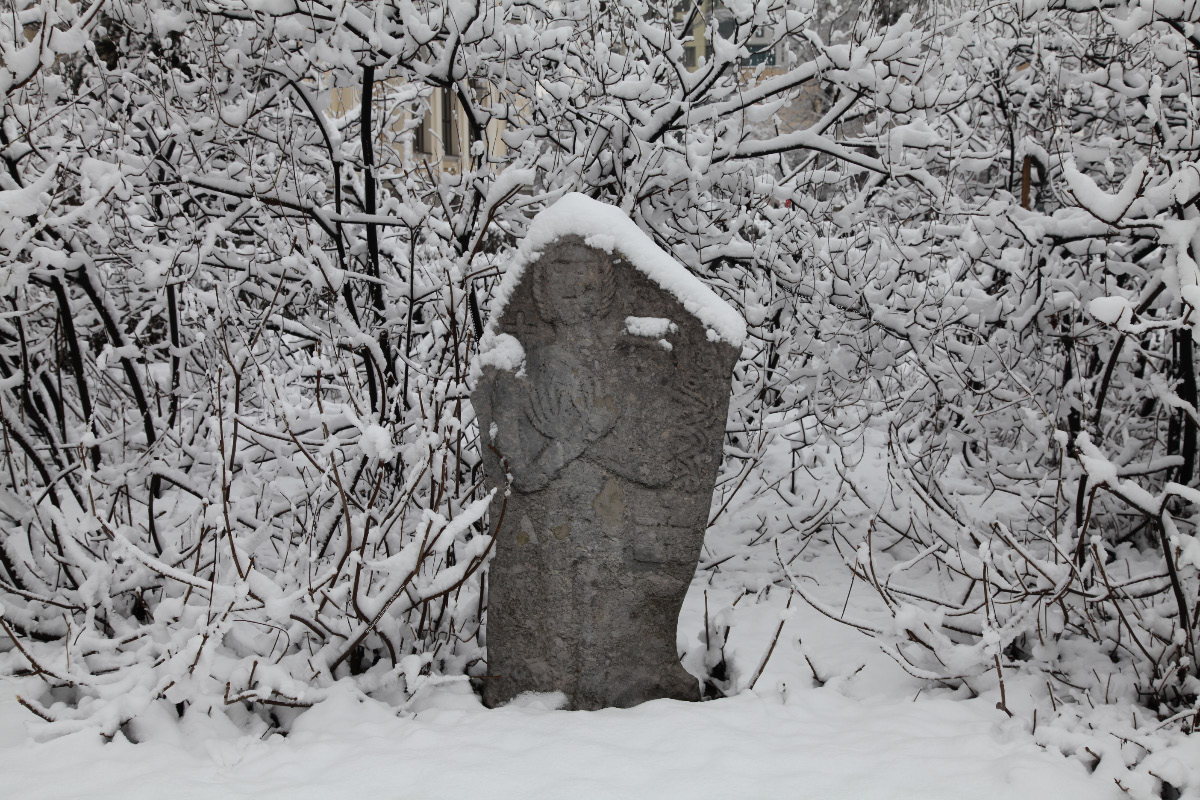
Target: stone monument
(601,391)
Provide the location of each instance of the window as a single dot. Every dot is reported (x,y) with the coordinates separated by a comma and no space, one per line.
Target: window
(449,124)
(421,135)
(759,54)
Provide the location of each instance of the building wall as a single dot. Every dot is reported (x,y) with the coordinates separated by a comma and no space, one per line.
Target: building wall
(441,138)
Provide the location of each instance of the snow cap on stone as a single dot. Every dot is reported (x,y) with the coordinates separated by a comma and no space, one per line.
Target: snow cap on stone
(608,228)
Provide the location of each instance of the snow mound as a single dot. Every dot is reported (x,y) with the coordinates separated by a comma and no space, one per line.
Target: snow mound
(817,744)
(608,228)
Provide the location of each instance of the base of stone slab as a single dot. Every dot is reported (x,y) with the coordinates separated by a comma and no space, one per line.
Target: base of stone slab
(675,684)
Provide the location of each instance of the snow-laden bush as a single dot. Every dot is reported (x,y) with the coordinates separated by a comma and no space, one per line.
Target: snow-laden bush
(1035,314)
(239,461)
(239,457)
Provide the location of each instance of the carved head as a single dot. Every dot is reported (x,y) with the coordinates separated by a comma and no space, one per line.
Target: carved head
(573,283)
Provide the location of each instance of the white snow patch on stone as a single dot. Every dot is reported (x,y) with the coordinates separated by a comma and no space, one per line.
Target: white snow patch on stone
(601,241)
(654,327)
(499,350)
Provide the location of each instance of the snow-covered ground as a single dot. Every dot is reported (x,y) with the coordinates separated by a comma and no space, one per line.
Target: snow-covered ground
(861,737)
(869,732)
(830,716)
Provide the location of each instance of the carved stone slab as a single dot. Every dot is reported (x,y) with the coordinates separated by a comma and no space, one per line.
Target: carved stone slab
(602,432)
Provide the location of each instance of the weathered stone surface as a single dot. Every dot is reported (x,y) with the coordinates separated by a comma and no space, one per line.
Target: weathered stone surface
(607,440)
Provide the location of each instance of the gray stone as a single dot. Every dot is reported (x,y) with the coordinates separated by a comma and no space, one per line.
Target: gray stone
(604,448)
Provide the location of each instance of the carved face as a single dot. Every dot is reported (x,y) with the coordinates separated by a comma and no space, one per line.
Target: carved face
(576,288)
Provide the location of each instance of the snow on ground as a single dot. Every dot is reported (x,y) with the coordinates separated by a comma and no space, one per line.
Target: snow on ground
(819,743)
(868,732)
(829,717)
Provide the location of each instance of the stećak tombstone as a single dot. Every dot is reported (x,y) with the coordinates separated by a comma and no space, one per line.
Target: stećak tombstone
(601,391)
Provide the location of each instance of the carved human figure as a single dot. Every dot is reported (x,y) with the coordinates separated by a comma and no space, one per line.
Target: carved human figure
(565,408)
(604,446)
